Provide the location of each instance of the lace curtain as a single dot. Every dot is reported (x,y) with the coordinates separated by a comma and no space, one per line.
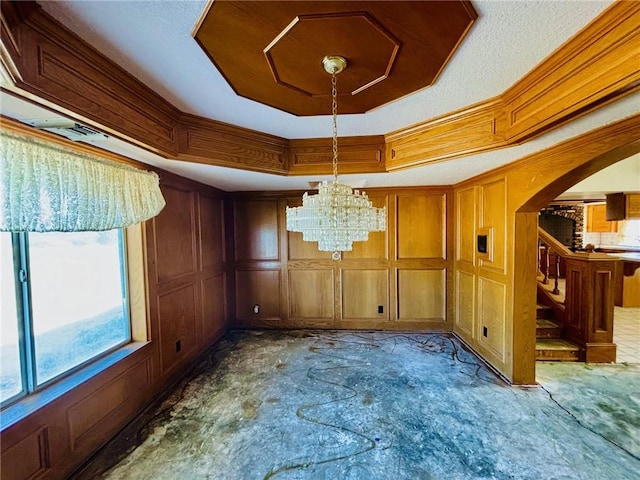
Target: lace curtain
(45,188)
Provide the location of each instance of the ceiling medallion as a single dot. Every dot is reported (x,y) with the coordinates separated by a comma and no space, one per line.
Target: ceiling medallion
(336,216)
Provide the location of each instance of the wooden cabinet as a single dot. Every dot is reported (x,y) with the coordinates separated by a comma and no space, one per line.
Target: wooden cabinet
(597,220)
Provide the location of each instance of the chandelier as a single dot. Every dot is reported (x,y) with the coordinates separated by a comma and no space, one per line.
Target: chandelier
(336,216)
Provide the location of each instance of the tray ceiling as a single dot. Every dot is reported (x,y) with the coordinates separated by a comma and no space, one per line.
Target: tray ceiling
(271,52)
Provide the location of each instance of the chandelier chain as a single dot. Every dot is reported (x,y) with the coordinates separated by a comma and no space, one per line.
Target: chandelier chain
(334,111)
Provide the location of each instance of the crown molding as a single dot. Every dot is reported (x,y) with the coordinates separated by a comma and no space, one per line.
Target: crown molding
(50,65)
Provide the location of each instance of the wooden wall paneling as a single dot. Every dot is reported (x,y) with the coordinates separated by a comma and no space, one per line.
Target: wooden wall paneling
(174,235)
(178,320)
(56,65)
(594,67)
(214,314)
(298,249)
(215,143)
(492,222)
(465,305)
(422,294)
(421,226)
(473,129)
(211,231)
(258,287)
(465,215)
(376,247)
(256,231)
(86,417)
(313,156)
(29,457)
(492,304)
(364,293)
(311,296)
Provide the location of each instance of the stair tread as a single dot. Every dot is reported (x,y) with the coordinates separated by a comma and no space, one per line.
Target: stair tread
(556,344)
(544,323)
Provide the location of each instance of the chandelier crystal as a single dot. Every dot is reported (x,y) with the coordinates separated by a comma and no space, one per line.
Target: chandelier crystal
(336,216)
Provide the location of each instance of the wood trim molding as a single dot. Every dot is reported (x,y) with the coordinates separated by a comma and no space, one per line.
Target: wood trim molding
(599,64)
(473,129)
(313,156)
(53,67)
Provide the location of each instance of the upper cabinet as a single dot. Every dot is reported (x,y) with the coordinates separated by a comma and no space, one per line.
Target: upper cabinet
(597,220)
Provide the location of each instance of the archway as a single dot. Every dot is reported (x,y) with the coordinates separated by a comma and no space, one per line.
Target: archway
(583,157)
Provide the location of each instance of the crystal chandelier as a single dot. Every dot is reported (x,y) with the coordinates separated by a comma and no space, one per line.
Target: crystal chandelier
(336,216)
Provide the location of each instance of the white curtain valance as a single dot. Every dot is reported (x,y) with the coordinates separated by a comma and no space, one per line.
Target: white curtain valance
(47,188)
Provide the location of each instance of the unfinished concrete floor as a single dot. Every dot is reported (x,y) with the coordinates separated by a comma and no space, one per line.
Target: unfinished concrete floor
(347,405)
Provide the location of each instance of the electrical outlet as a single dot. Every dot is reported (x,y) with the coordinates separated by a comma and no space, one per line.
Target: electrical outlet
(178,347)
(256,309)
(485,331)
(380,309)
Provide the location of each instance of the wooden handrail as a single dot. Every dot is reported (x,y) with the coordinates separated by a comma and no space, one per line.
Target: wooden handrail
(546,238)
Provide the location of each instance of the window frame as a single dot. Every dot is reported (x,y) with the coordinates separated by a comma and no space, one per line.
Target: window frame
(26,340)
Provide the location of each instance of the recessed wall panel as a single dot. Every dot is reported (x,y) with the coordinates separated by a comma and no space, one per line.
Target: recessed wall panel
(465,302)
(422,294)
(174,235)
(376,246)
(177,320)
(213,305)
(492,298)
(465,225)
(493,224)
(364,293)
(256,229)
(211,231)
(261,288)
(421,226)
(311,294)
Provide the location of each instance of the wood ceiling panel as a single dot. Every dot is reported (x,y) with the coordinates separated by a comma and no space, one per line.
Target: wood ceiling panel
(271,52)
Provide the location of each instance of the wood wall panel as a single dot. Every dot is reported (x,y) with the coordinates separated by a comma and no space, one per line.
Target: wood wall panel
(299,249)
(52,434)
(29,458)
(421,226)
(212,143)
(363,292)
(85,415)
(492,303)
(256,230)
(466,226)
(314,156)
(422,294)
(465,315)
(258,287)
(493,208)
(212,244)
(311,294)
(472,130)
(174,235)
(178,319)
(376,246)
(213,306)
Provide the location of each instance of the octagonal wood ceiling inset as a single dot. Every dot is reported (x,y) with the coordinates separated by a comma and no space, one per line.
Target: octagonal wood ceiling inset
(271,52)
(371,52)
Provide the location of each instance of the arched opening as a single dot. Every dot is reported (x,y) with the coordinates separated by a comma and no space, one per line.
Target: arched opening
(597,153)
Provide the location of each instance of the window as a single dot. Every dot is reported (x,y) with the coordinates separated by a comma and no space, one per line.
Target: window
(63,304)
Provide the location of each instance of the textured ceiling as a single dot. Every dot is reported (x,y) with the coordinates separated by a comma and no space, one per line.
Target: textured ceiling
(153,41)
(271,52)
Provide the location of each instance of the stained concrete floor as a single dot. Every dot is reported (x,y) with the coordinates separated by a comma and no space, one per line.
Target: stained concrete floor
(345,405)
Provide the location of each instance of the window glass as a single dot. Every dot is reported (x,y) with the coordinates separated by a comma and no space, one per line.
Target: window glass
(77,298)
(10,376)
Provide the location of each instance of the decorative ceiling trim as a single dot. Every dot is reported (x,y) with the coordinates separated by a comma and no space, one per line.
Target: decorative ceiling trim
(56,66)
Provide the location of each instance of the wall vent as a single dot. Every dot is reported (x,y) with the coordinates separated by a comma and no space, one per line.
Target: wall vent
(69,129)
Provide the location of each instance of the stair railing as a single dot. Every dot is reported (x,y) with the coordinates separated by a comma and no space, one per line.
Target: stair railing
(589,295)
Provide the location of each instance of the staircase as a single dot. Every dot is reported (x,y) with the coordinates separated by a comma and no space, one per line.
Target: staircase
(550,346)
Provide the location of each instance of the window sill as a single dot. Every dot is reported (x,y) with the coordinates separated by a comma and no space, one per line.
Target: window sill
(33,402)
